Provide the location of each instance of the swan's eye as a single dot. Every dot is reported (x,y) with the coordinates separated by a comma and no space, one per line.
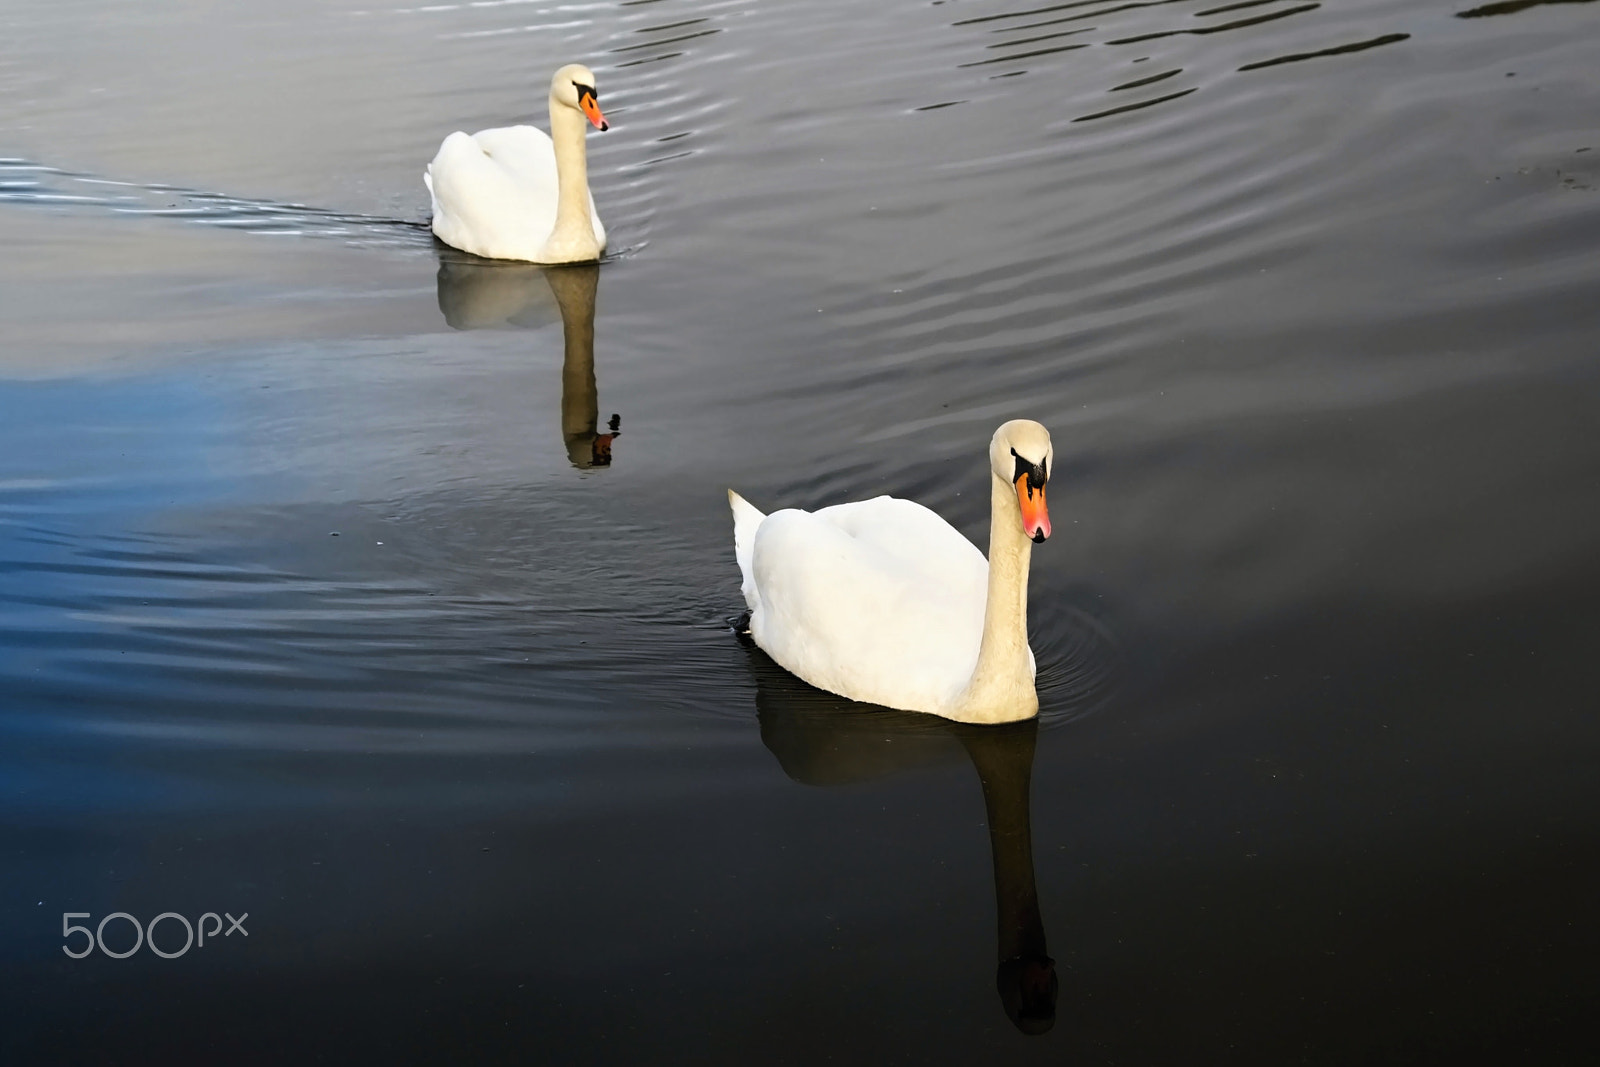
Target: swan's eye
(585,90)
(1036,472)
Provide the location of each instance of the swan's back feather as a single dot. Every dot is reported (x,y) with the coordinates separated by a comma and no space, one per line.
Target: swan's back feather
(912,534)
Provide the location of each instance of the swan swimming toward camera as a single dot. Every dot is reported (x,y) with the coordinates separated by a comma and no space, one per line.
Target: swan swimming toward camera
(883,601)
(515,193)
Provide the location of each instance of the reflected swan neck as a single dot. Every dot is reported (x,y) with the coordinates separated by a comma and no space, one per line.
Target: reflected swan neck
(1026,978)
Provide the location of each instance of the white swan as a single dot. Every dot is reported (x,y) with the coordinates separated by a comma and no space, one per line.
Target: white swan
(883,601)
(514,193)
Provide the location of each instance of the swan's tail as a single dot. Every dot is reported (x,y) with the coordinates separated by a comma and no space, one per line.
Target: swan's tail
(745,521)
(433,198)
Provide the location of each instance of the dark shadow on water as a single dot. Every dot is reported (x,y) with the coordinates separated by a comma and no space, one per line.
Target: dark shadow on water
(1511,7)
(1337,50)
(476,294)
(823,740)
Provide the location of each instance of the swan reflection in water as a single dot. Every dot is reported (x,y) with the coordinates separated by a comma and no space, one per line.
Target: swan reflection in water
(821,739)
(477,294)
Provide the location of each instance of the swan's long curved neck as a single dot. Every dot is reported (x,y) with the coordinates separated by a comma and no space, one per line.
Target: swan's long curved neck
(1001,688)
(572,240)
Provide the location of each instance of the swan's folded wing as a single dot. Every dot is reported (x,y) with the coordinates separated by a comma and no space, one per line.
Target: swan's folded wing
(921,538)
(494,192)
(849,616)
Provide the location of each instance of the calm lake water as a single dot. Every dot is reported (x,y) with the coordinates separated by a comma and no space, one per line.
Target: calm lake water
(381,593)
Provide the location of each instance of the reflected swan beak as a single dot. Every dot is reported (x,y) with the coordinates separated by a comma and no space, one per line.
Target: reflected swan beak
(1028,989)
(1035,518)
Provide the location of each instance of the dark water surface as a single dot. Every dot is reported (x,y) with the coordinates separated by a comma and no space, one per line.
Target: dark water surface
(331,592)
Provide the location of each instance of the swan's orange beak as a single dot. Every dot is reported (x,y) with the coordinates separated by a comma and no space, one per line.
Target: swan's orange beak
(591,108)
(1035,518)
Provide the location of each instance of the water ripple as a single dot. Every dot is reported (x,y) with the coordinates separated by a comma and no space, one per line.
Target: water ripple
(26,183)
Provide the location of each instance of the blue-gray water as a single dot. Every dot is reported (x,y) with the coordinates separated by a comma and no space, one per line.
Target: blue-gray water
(327,595)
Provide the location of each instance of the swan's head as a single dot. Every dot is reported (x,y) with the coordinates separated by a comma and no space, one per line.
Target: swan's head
(574,86)
(1020,454)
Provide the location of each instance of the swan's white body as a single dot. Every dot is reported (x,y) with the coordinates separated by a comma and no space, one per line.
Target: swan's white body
(516,193)
(885,602)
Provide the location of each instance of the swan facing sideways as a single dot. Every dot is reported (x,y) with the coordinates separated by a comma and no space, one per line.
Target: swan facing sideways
(883,601)
(515,193)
